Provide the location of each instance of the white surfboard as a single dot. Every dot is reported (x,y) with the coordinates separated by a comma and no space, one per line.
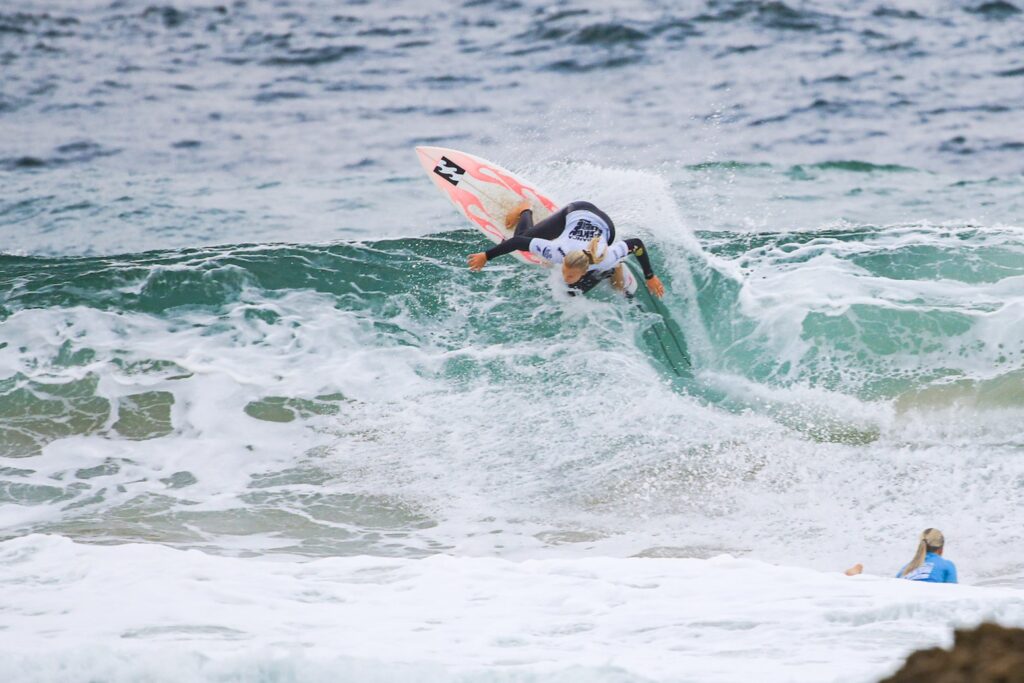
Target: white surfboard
(485,192)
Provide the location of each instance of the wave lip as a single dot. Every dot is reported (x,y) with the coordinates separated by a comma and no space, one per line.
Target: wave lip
(997,10)
(773,15)
(75,152)
(608,34)
(313,56)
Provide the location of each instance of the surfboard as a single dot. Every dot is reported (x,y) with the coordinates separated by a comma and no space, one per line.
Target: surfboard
(485,192)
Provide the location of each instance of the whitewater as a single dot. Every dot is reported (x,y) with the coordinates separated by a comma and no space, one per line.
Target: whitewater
(258,421)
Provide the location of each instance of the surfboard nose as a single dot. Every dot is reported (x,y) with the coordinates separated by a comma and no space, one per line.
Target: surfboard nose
(430,152)
(429,156)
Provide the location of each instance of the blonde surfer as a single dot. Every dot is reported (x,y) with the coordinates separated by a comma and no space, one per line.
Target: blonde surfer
(581,237)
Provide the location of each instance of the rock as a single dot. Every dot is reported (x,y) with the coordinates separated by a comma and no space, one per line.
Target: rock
(987,654)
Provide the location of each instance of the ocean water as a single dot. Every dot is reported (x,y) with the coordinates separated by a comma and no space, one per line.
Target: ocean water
(258,422)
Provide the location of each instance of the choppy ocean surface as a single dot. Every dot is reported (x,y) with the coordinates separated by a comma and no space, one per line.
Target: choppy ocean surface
(259,423)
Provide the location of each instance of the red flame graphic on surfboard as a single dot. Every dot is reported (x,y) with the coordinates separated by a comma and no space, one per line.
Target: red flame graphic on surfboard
(483,191)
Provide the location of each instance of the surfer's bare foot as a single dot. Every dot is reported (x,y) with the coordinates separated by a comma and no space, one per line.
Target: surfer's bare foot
(512,217)
(854,570)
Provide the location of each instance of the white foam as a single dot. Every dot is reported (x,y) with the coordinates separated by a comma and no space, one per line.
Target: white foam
(73,610)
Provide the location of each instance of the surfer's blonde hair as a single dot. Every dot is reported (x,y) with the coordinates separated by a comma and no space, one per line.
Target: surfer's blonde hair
(584,258)
(931,540)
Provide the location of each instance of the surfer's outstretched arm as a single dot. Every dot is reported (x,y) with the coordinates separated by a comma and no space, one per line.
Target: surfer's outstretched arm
(517,243)
(548,229)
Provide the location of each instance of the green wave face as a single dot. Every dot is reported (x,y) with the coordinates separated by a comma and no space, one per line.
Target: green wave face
(868,312)
(875,313)
(117,364)
(409,292)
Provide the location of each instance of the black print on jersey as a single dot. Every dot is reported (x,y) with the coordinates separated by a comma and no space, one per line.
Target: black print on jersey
(584,230)
(449,170)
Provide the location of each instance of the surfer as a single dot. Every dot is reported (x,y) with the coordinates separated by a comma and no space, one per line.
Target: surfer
(581,237)
(928,563)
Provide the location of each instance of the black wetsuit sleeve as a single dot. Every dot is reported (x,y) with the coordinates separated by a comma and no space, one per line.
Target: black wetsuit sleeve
(636,248)
(517,243)
(549,228)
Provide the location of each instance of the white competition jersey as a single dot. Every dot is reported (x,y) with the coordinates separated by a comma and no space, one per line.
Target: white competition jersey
(581,227)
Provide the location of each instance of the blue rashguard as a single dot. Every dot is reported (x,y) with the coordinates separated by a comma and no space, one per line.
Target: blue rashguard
(934,569)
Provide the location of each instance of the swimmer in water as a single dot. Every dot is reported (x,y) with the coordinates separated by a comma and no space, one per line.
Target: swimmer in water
(581,237)
(928,563)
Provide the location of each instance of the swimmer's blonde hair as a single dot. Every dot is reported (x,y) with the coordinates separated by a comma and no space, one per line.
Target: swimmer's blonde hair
(584,258)
(931,540)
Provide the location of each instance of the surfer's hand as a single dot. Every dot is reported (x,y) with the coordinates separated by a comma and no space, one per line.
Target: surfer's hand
(654,284)
(477,261)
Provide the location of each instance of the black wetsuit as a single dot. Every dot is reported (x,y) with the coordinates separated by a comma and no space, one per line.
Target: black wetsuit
(553,226)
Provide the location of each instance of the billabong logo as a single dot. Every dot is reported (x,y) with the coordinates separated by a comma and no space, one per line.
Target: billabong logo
(449,170)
